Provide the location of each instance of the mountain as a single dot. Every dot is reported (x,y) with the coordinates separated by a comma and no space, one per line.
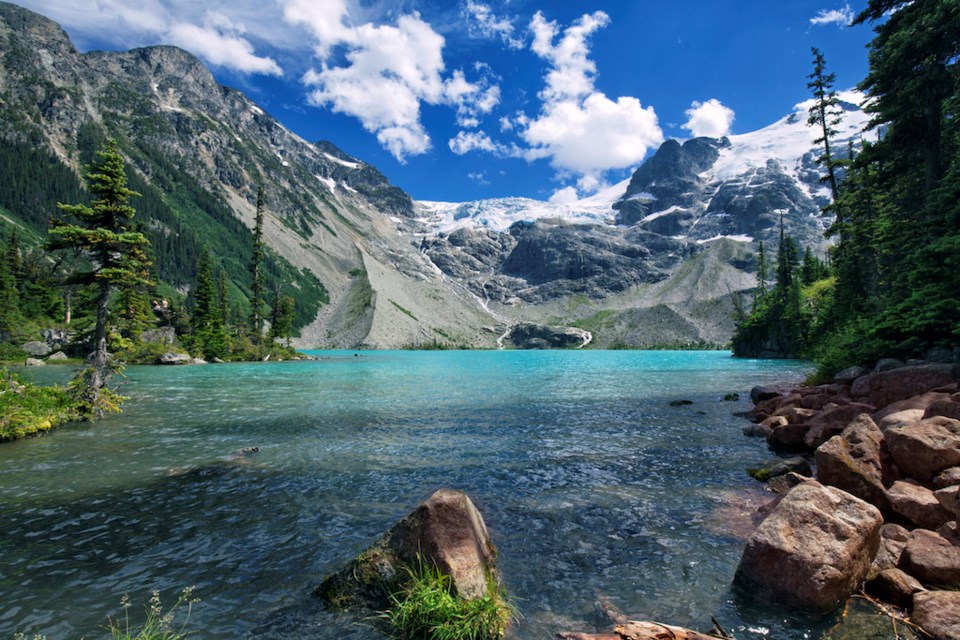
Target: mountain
(661,258)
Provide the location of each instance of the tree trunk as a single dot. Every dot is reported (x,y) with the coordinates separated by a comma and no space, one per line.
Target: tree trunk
(99,361)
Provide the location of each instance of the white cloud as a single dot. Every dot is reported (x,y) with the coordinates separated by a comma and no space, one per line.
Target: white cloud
(220,43)
(483,22)
(203,29)
(567,195)
(390,70)
(579,129)
(467,141)
(711,119)
(840,17)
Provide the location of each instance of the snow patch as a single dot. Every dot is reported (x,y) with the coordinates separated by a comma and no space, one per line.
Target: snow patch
(665,212)
(328,182)
(735,238)
(341,161)
(255,109)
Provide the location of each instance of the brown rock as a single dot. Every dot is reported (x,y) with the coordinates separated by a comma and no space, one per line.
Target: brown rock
(813,550)
(773,422)
(893,539)
(945,408)
(938,613)
(931,559)
(899,419)
(921,402)
(949,499)
(917,503)
(950,533)
(947,478)
(924,449)
(446,531)
(833,421)
(655,631)
(795,414)
(789,437)
(853,461)
(894,586)
(886,387)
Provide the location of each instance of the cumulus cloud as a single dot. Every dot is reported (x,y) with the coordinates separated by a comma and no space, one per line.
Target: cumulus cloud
(841,17)
(467,141)
(389,71)
(484,23)
(203,29)
(711,119)
(580,130)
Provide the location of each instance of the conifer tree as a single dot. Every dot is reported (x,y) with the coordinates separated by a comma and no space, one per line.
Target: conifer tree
(10,318)
(209,335)
(256,265)
(281,322)
(118,256)
(826,115)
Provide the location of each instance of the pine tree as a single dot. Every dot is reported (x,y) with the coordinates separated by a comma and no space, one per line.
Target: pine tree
(256,265)
(209,335)
(118,256)
(281,322)
(825,114)
(10,318)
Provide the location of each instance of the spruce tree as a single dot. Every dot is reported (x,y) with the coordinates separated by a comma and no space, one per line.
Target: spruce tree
(826,115)
(209,335)
(10,318)
(256,265)
(118,257)
(281,322)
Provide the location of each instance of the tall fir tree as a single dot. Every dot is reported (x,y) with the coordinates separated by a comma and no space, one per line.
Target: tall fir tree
(209,334)
(118,257)
(281,321)
(826,115)
(10,318)
(256,274)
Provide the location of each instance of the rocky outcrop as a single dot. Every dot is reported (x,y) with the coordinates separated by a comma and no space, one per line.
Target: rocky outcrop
(932,559)
(886,387)
(532,336)
(813,550)
(36,348)
(917,504)
(924,449)
(446,532)
(172,358)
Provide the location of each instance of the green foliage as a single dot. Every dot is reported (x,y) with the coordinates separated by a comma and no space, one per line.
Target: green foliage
(27,409)
(403,310)
(209,335)
(159,624)
(428,607)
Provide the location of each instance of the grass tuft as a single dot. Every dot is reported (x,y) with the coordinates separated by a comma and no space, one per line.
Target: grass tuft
(159,624)
(429,608)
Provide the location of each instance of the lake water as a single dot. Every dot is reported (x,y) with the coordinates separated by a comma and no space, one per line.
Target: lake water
(591,484)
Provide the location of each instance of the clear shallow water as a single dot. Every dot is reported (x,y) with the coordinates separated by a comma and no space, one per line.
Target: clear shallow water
(590,483)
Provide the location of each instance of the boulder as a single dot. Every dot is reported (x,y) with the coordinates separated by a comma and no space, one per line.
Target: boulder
(794,414)
(780,467)
(917,504)
(446,531)
(887,364)
(34,362)
(938,613)
(886,387)
(759,394)
(949,499)
(854,461)
(59,356)
(947,478)
(833,421)
(893,539)
(172,358)
(945,408)
(813,550)
(894,586)
(36,348)
(950,533)
(899,419)
(848,375)
(781,485)
(920,402)
(789,437)
(924,449)
(757,430)
(931,559)
(160,335)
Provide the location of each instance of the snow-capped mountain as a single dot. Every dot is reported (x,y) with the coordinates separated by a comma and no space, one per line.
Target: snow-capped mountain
(698,190)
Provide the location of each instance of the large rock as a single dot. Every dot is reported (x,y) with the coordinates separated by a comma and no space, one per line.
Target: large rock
(854,461)
(833,421)
(945,408)
(913,403)
(938,613)
(813,550)
(924,449)
(893,539)
(886,387)
(931,559)
(36,348)
(949,499)
(446,531)
(899,419)
(917,503)
(894,586)
(789,437)
(171,358)
(947,478)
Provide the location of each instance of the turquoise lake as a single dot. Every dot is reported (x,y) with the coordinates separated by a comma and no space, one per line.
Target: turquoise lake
(591,483)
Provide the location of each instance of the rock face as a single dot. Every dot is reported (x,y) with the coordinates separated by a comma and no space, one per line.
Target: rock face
(853,461)
(813,550)
(924,449)
(532,336)
(886,387)
(446,531)
(36,348)
(938,612)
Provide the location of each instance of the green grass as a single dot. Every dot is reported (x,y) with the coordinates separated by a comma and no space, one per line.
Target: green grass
(159,624)
(27,409)
(429,608)
(404,311)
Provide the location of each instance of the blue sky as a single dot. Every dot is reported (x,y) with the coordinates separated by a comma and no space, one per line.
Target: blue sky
(465,99)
